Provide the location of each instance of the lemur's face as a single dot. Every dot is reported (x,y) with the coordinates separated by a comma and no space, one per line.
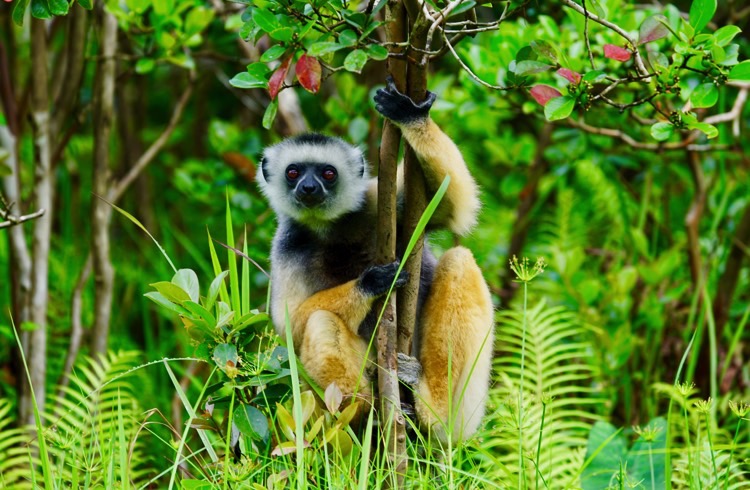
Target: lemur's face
(311,184)
(313,179)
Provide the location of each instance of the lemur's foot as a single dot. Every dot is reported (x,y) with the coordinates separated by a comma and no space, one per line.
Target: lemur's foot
(409,369)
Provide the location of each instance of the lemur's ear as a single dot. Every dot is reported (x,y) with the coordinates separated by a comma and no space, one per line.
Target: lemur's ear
(263,169)
(362,165)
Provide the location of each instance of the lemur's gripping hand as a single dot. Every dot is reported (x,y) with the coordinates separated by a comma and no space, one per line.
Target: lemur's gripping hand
(377,279)
(398,107)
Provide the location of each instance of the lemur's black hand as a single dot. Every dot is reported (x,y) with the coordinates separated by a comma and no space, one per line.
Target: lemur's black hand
(377,279)
(398,107)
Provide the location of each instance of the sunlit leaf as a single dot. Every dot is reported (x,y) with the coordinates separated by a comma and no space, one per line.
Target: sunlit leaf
(704,95)
(559,108)
(662,131)
(701,12)
(528,67)
(724,35)
(740,73)
(355,60)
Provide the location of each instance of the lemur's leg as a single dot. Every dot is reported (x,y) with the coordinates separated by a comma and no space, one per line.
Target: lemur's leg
(325,329)
(456,348)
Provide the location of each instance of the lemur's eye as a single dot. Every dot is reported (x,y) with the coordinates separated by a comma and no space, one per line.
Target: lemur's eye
(292,173)
(329,174)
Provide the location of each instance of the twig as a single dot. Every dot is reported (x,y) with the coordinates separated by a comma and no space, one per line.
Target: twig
(468,70)
(586,35)
(76,326)
(120,187)
(639,66)
(11,220)
(687,143)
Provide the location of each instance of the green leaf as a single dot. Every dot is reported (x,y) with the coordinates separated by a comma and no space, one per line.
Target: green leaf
(662,131)
(213,289)
(266,20)
(172,292)
(19,10)
(321,48)
(606,451)
(187,280)
(58,7)
(197,20)
(740,73)
(545,49)
(527,67)
(251,422)
(355,60)
(87,4)
(348,38)
(559,108)
(247,80)
(144,65)
(199,312)
(594,76)
(273,53)
(40,9)
(225,356)
(162,301)
(283,34)
(701,12)
(724,35)
(709,130)
(704,95)
(377,52)
(270,113)
(463,7)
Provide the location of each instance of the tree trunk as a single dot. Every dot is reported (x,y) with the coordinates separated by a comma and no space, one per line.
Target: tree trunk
(392,420)
(104,89)
(44,189)
(414,187)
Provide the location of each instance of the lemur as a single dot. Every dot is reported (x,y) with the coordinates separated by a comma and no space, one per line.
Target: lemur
(323,277)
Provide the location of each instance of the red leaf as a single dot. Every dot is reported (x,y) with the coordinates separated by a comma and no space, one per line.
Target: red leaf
(569,75)
(544,93)
(277,79)
(308,72)
(616,52)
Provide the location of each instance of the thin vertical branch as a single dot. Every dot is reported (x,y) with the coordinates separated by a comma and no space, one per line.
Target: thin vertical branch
(415,199)
(44,188)
(100,211)
(392,420)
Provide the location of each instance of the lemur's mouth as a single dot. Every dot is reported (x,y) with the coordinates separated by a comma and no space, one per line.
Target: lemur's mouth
(309,200)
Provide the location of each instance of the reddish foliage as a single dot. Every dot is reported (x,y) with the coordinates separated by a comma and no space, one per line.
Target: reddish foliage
(616,52)
(308,72)
(544,93)
(277,79)
(569,75)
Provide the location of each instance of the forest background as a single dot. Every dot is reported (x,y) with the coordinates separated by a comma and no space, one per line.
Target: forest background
(609,138)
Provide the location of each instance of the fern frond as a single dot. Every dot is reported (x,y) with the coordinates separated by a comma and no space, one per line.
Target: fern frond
(559,375)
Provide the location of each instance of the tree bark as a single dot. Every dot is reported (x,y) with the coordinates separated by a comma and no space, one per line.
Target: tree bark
(101,212)
(415,198)
(391,417)
(44,189)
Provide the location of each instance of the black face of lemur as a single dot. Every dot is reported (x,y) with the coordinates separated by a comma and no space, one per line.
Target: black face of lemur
(310,182)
